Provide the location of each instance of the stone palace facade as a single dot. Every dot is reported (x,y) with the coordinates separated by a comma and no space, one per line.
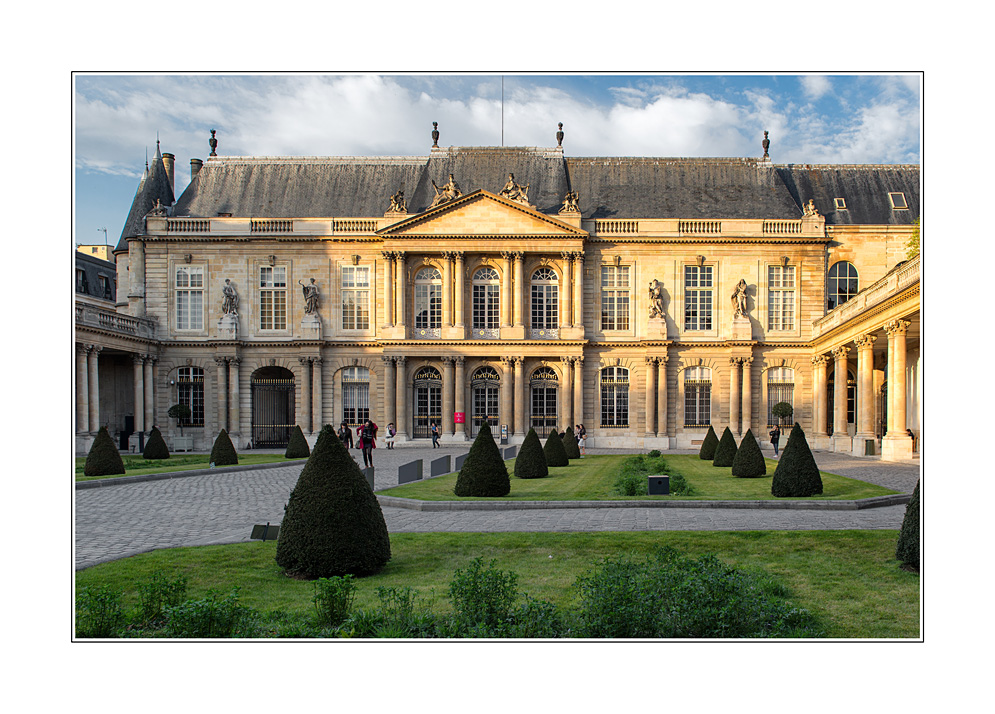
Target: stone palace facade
(645,298)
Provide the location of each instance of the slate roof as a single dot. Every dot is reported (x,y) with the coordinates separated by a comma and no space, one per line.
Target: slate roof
(154,185)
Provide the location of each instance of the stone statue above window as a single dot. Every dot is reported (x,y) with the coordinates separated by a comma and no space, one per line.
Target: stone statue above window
(656,299)
(448,192)
(229,305)
(739,298)
(310,297)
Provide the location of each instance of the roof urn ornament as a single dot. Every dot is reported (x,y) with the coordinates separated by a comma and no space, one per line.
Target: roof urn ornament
(766,145)
(435,134)
(559,135)
(213,142)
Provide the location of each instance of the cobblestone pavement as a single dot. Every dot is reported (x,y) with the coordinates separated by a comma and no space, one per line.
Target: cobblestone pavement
(122,520)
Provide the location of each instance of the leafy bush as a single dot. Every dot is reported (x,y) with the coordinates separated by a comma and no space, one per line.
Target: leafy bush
(531,461)
(725,452)
(333,598)
(223,452)
(104,459)
(570,447)
(333,524)
(99,612)
(708,445)
(157,594)
(655,453)
(631,479)
(797,473)
(483,599)
(155,447)
(537,619)
(484,472)
(908,538)
(213,616)
(631,483)
(782,410)
(749,461)
(297,448)
(556,455)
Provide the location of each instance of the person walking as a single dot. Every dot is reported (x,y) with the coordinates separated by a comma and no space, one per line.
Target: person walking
(435,435)
(582,443)
(391,433)
(367,441)
(345,435)
(775,436)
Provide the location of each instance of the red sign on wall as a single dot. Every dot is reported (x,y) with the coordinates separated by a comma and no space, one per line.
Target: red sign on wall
(459,417)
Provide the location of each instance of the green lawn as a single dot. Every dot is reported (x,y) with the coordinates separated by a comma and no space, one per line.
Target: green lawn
(136,465)
(592,479)
(849,579)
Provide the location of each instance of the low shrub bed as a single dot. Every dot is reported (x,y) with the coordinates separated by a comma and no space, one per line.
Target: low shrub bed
(632,476)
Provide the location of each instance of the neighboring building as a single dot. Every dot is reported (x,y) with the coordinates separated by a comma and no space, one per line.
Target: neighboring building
(529,289)
(97,251)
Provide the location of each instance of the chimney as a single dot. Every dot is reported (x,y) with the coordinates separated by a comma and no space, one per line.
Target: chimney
(195,166)
(167,161)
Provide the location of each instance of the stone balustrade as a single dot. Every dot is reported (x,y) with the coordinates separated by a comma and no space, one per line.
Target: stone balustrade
(105,319)
(891,284)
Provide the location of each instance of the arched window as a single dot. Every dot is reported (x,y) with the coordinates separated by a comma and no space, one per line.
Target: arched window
(780,388)
(190,391)
(545,304)
(842,283)
(486,303)
(544,384)
(485,385)
(428,302)
(355,395)
(428,401)
(614,397)
(697,397)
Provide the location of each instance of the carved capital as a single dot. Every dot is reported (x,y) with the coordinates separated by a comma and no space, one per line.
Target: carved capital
(400,361)
(747,361)
(460,359)
(519,256)
(579,360)
(841,352)
(220,361)
(864,342)
(519,361)
(567,360)
(386,360)
(663,359)
(897,327)
(650,360)
(388,255)
(137,360)
(579,257)
(400,256)
(820,360)
(233,361)
(458,256)
(507,255)
(316,361)
(303,360)
(567,256)
(735,361)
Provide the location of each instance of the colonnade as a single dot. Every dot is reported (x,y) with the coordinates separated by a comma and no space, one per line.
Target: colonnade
(656,396)
(88,390)
(741,395)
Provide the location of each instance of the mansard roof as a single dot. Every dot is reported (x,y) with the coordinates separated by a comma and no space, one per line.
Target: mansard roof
(153,186)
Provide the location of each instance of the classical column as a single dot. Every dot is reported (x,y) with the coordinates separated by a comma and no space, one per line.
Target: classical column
(650,396)
(897,330)
(661,397)
(747,414)
(304,413)
(93,382)
(460,288)
(519,398)
(447,297)
(735,395)
(235,411)
(400,276)
(83,391)
(519,289)
(578,286)
(865,386)
(566,391)
(149,381)
(506,296)
(447,396)
(317,396)
(222,364)
(578,415)
(839,417)
(388,288)
(819,397)
(401,386)
(460,390)
(567,294)
(507,384)
(389,392)
(139,392)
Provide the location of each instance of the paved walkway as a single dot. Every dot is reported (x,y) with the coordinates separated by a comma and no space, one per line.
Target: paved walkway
(122,520)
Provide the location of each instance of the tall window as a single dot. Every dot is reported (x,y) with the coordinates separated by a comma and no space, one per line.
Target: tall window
(614,297)
(189,298)
(485,389)
(697,396)
(428,302)
(355,395)
(842,283)
(486,309)
(273,298)
(698,297)
(355,298)
(780,388)
(190,391)
(428,402)
(780,297)
(544,385)
(81,284)
(614,397)
(545,303)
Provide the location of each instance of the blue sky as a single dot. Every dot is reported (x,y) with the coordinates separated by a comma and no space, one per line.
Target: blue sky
(862,118)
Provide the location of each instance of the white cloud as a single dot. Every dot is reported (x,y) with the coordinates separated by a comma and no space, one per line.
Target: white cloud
(815,85)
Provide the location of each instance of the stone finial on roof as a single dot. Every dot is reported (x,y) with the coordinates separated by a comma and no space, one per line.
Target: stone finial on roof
(766,145)
(559,135)
(213,142)
(435,134)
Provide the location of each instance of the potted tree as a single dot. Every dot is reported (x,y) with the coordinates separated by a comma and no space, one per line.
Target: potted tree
(179,412)
(782,410)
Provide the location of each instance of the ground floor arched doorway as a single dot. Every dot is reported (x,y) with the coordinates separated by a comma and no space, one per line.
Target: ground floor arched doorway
(544,387)
(485,386)
(427,402)
(272,407)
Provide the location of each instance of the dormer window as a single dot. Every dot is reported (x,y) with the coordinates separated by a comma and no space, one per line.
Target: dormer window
(840,204)
(898,200)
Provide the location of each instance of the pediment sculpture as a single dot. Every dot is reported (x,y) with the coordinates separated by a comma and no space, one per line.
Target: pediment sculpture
(571,203)
(397,203)
(448,192)
(514,191)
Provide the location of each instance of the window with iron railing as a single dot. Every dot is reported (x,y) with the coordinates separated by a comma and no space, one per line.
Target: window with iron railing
(697,397)
(614,397)
(190,391)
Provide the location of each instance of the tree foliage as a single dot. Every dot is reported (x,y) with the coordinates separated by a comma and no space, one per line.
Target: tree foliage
(570,446)
(556,455)
(749,461)
(155,447)
(797,473)
(297,448)
(223,452)
(908,538)
(725,452)
(483,472)
(531,461)
(708,445)
(104,459)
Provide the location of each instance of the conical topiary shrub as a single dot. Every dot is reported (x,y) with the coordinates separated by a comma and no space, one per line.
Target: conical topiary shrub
(483,472)
(332,524)
(908,538)
(708,445)
(297,448)
(725,452)
(749,461)
(570,447)
(796,473)
(223,452)
(531,461)
(554,451)
(155,447)
(104,459)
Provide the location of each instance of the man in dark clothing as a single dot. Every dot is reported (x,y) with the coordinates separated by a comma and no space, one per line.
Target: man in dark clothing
(775,436)
(345,435)
(367,441)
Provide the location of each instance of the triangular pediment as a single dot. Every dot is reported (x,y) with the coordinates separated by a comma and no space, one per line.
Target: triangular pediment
(480,213)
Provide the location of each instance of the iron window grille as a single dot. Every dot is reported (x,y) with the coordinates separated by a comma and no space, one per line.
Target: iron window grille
(780,388)
(544,385)
(190,391)
(428,402)
(355,395)
(614,397)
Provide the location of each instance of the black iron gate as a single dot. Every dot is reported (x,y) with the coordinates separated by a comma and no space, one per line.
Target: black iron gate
(544,397)
(272,412)
(428,403)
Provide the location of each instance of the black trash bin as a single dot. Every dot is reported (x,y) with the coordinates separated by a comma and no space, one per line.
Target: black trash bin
(659,485)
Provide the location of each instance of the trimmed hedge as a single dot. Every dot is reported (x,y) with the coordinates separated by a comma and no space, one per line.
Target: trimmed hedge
(297,448)
(797,473)
(556,455)
(103,459)
(725,452)
(749,461)
(223,452)
(332,524)
(155,447)
(531,461)
(483,472)
(908,538)
(708,445)
(570,447)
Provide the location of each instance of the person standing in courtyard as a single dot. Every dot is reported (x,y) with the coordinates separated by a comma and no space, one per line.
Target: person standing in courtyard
(775,436)
(345,435)
(367,441)
(435,435)
(582,442)
(391,433)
